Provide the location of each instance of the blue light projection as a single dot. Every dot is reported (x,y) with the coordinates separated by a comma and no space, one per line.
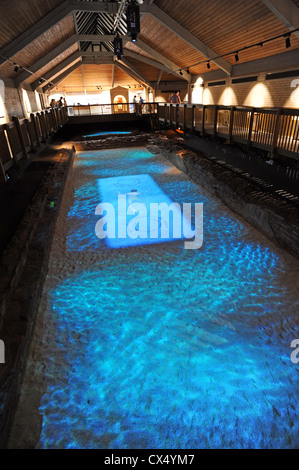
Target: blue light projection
(96,134)
(161,347)
(129,218)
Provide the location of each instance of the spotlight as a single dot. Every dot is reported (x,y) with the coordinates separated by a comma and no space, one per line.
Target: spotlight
(236,56)
(133,21)
(16,68)
(40,80)
(208,64)
(188,71)
(118,46)
(181,73)
(288,42)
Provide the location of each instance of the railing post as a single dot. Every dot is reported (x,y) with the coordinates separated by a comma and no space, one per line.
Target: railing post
(176,108)
(19,131)
(276,130)
(33,119)
(30,136)
(203,119)
(192,117)
(184,118)
(250,127)
(215,120)
(231,125)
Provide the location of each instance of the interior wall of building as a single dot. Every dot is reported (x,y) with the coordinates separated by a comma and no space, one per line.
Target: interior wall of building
(283,92)
(18,102)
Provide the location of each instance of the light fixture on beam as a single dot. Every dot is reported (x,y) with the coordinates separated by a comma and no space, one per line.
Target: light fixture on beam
(237,56)
(118,46)
(208,64)
(133,21)
(288,40)
(180,71)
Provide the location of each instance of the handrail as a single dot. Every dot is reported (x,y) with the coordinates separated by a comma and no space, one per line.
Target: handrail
(147,107)
(272,129)
(19,137)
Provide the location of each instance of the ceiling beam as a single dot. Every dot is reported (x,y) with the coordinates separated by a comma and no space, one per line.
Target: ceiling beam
(53,54)
(50,20)
(288,60)
(189,38)
(174,68)
(146,60)
(59,50)
(135,71)
(130,73)
(63,76)
(31,34)
(159,77)
(282,62)
(98,7)
(113,76)
(286,11)
(57,69)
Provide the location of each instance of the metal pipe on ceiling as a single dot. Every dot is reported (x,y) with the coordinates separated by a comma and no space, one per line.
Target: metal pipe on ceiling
(118,15)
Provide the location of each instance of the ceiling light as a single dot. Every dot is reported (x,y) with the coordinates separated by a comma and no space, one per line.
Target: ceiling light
(133,21)
(118,46)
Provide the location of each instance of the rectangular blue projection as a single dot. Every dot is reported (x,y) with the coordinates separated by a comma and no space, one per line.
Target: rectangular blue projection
(136,219)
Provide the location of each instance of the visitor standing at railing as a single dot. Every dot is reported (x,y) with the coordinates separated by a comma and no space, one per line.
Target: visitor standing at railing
(175,98)
(135,103)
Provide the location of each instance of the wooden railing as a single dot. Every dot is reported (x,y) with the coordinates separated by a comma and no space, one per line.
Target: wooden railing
(20,137)
(112,108)
(273,129)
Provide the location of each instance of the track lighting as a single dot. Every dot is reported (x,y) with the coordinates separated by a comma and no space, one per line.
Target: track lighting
(287,37)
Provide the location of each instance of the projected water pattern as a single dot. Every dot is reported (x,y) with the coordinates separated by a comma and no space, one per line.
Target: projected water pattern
(161,347)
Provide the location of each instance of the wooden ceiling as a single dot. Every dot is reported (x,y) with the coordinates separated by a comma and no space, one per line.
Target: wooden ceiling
(41,37)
